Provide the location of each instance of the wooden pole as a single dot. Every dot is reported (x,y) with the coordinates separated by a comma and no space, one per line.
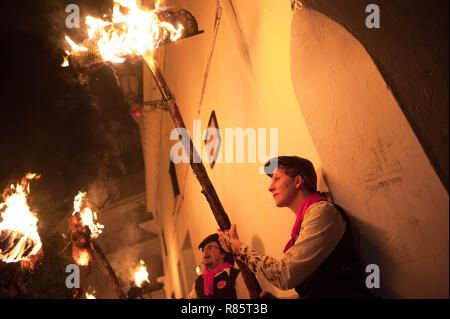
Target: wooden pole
(110,271)
(200,172)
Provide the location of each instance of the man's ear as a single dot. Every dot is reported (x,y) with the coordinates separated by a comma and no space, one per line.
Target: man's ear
(298,181)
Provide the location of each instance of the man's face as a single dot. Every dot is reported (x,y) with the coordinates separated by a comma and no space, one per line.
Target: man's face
(212,256)
(283,188)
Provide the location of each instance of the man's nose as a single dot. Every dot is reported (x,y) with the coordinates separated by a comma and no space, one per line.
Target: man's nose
(271,188)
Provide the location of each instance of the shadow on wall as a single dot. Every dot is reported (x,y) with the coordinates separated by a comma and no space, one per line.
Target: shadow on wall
(410,49)
(258,245)
(371,253)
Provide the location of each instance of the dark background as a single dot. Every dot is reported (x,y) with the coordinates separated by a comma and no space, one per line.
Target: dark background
(51,124)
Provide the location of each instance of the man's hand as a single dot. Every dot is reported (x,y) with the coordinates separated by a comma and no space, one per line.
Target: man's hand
(229,239)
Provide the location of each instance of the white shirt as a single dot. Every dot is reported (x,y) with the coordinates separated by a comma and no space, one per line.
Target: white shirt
(321,230)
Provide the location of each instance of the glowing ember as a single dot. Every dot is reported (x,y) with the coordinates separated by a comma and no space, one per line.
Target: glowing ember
(82,257)
(90,295)
(141,274)
(88,217)
(19,238)
(134,33)
(65,62)
(66,59)
(74,46)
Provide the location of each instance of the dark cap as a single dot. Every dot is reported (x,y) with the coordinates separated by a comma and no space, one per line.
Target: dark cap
(293,166)
(215,238)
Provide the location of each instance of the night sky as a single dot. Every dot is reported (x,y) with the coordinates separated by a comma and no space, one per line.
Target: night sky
(50,123)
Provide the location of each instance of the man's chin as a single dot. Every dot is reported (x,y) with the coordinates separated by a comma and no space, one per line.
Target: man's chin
(207,263)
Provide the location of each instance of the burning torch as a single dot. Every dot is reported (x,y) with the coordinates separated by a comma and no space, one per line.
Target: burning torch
(19,238)
(140,282)
(139,33)
(84,228)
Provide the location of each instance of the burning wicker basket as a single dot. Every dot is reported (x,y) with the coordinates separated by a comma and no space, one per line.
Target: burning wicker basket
(91,59)
(15,246)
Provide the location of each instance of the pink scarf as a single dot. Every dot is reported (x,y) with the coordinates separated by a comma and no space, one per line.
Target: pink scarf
(311,199)
(208,281)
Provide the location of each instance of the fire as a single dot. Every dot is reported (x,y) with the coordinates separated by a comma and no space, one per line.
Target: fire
(84,228)
(74,46)
(82,257)
(141,274)
(65,62)
(66,59)
(88,217)
(90,295)
(132,33)
(19,238)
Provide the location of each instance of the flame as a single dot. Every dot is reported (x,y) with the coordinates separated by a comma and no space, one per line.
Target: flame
(83,227)
(134,33)
(65,62)
(90,295)
(141,274)
(88,217)
(75,47)
(66,58)
(82,257)
(18,229)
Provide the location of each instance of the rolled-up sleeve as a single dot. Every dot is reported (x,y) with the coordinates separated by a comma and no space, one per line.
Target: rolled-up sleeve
(322,228)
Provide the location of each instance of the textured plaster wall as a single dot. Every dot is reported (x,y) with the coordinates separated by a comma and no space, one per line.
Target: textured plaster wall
(249,86)
(372,160)
(410,50)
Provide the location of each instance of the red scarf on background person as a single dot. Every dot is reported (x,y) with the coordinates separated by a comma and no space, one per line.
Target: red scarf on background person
(208,281)
(311,199)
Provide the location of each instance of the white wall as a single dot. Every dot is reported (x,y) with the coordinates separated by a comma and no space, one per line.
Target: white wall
(373,162)
(252,91)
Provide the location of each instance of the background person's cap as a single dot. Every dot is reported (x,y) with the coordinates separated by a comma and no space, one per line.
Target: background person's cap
(215,238)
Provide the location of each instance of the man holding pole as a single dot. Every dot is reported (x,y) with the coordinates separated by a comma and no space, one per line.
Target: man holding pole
(219,280)
(320,260)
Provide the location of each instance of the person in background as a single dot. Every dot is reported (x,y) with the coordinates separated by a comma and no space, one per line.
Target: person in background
(219,280)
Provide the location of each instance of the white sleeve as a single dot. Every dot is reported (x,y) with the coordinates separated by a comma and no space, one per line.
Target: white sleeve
(321,230)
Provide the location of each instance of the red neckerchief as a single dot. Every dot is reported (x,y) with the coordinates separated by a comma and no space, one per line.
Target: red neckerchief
(208,281)
(311,199)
